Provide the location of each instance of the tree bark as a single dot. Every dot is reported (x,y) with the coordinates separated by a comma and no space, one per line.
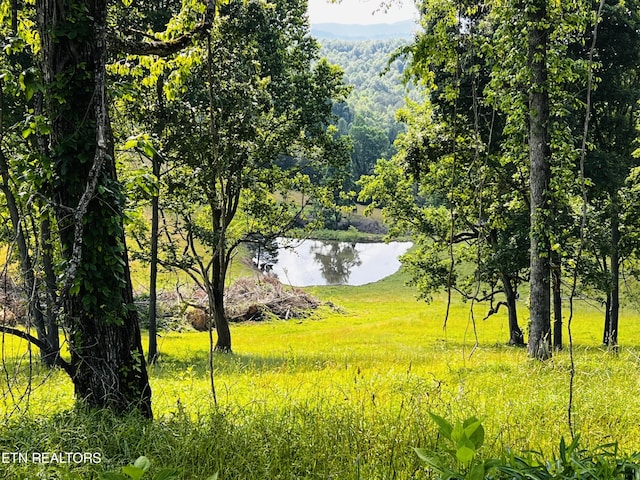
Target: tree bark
(51,295)
(223,342)
(610,337)
(47,331)
(153,271)
(155,221)
(556,281)
(96,298)
(516,336)
(46,328)
(540,173)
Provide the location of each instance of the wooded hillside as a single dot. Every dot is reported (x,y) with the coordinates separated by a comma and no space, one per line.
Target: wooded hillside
(368,116)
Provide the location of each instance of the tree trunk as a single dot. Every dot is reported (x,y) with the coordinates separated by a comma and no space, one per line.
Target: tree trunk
(556,277)
(607,319)
(155,220)
(540,173)
(610,337)
(45,330)
(107,359)
(153,271)
(223,343)
(515,333)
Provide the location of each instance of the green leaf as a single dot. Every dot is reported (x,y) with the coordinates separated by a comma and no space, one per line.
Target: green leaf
(435,463)
(131,142)
(213,477)
(477,472)
(474,431)
(458,434)
(148,148)
(167,474)
(142,462)
(75,289)
(465,453)
(426,456)
(444,427)
(134,472)
(563,451)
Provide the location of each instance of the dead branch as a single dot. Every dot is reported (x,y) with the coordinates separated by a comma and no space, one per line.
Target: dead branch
(161,48)
(493,310)
(59,361)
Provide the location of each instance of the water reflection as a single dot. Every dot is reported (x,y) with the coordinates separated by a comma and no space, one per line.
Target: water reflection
(336,261)
(264,253)
(316,262)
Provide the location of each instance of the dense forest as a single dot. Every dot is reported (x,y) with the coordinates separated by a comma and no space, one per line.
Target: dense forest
(368,117)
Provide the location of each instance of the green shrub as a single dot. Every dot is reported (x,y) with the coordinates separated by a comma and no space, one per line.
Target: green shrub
(458,459)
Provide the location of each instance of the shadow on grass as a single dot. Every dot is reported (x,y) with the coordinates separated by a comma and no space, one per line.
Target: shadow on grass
(198,364)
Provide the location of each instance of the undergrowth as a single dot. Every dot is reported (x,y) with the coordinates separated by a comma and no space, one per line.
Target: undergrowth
(305,441)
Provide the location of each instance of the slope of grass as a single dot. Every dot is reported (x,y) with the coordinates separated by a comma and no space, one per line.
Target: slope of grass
(345,394)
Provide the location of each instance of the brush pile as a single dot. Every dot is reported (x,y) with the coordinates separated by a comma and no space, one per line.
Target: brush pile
(255,299)
(13,305)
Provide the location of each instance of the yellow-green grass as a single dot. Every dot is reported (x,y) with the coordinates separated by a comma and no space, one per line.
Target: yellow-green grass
(386,352)
(364,376)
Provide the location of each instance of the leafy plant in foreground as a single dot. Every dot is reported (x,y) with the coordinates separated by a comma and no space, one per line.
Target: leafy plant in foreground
(466,438)
(571,461)
(604,463)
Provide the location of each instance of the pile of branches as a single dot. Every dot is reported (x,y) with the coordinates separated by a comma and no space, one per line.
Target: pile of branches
(13,305)
(262,297)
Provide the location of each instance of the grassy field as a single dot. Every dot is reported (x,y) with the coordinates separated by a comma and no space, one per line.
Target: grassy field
(344,394)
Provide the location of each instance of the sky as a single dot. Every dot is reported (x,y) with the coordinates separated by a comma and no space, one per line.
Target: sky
(360,11)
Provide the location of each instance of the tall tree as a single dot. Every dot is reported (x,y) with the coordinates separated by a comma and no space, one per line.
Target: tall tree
(370,142)
(251,127)
(539,179)
(19,95)
(615,115)
(151,116)
(495,112)
(533,84)
(72,174)
(469,199)
(107,365)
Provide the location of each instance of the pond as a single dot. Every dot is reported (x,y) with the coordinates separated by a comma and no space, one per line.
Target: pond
(319,262)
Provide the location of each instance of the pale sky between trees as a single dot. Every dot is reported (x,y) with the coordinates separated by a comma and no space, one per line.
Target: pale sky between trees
(361,11)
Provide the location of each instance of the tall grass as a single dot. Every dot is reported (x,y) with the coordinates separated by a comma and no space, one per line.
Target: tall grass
(345,394)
